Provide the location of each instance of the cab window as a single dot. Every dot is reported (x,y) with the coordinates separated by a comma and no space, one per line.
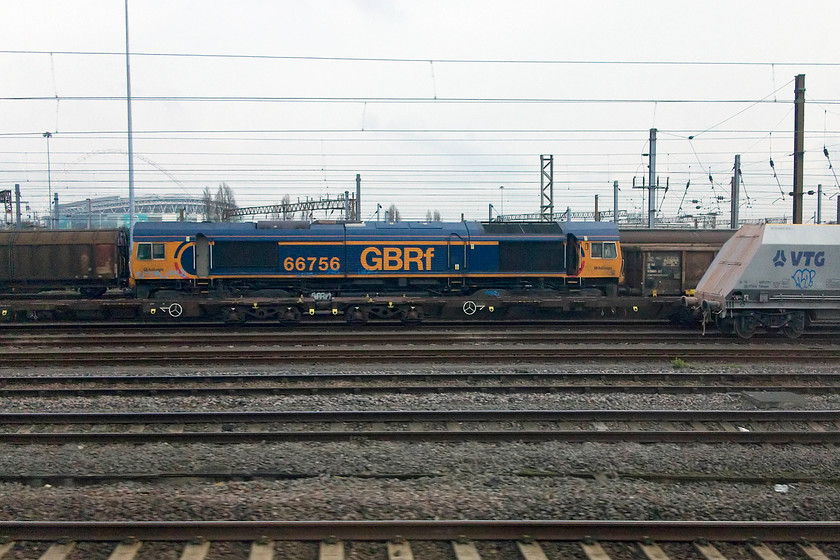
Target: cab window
(606,250)
(149,251)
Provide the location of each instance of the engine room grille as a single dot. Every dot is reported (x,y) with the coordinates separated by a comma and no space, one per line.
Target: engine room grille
(525,256)
(234,254)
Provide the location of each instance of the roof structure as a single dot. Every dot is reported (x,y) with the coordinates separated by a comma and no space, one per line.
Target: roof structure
(142,205)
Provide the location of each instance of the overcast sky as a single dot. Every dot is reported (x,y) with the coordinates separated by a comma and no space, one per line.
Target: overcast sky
(437,104)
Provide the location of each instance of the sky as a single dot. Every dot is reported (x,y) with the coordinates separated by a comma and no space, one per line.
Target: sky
(440,105)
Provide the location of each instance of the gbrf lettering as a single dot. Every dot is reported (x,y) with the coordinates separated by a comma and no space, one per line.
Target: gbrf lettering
(396,258)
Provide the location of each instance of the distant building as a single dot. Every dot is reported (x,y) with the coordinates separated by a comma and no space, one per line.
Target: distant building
(112,211)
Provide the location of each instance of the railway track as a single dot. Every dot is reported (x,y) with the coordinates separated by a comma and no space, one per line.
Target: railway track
(463,540)
(75,480)
(345,346)
(94,433)
(647,426)
(548,334)
(244,384)
(476,353)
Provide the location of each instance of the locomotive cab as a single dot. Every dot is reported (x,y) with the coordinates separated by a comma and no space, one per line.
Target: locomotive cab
(593,256)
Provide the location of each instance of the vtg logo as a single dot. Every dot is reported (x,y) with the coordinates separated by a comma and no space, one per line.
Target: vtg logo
(803,277)
(796,257)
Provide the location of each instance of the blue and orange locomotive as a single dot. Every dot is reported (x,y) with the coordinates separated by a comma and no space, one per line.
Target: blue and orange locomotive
(382,257)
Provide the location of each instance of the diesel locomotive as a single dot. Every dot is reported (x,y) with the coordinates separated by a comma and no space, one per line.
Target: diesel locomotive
(331,259)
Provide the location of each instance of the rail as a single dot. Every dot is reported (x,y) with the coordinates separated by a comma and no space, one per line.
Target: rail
(383,530)
(645,426)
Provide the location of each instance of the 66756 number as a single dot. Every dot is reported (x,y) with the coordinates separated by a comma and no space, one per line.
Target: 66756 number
(302,264)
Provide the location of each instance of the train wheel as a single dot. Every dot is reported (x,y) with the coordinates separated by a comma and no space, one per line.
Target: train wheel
(290,315)
(795,325)
(357,316)
(92,292)
(682,317)
(411,315)
(231,315)
(726,325)
(745,325)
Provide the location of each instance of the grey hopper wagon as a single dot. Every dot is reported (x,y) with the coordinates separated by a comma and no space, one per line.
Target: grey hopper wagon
(775,277)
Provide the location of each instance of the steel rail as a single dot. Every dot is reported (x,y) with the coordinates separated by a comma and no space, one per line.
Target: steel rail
(523,415)
(493,436)
(330,332)
(333,325)
(816,434)
(68,479)
(687,375)
(516,353)
(417,336)
(398,336)
(383,530)
(326,388)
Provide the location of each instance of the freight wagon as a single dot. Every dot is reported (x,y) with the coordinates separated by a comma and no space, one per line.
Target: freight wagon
(659,262)
(88,261)
(776,277)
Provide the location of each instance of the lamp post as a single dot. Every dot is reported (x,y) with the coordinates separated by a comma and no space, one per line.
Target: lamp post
(48,135)
(130,137)
(502,196)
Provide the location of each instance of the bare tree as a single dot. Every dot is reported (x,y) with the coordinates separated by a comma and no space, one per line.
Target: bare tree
(428,215)
(207,205)
(217,208)
(282,212)
(393,214)
(436,216)
(285,201)
(225,202)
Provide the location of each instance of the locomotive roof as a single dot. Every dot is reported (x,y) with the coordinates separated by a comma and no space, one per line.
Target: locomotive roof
(589,230)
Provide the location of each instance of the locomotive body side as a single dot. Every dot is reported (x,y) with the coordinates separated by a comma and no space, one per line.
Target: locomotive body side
(338,257)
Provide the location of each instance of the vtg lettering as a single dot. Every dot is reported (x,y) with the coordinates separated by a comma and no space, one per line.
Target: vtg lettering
(796,258)
(397,258)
